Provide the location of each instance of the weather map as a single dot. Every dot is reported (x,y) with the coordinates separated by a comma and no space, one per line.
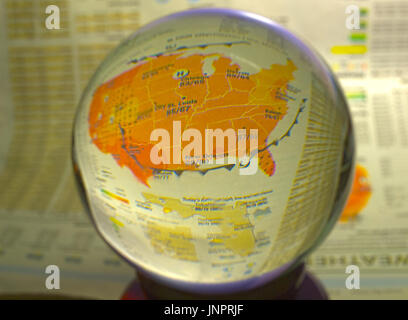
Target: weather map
(360,195)
(173,87)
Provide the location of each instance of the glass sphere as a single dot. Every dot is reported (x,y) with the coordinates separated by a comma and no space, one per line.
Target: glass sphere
(214,150)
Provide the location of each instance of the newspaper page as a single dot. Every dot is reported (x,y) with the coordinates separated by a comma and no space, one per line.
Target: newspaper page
(371,64)
(42,75)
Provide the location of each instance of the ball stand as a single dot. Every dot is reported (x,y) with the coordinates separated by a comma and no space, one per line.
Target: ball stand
(299,284)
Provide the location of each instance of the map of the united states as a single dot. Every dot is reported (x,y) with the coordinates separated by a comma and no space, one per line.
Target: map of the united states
(175,87)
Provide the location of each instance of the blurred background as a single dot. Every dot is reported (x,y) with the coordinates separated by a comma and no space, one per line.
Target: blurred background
(43,72)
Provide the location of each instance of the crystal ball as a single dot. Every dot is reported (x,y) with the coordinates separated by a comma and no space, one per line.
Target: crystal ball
(213,149)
